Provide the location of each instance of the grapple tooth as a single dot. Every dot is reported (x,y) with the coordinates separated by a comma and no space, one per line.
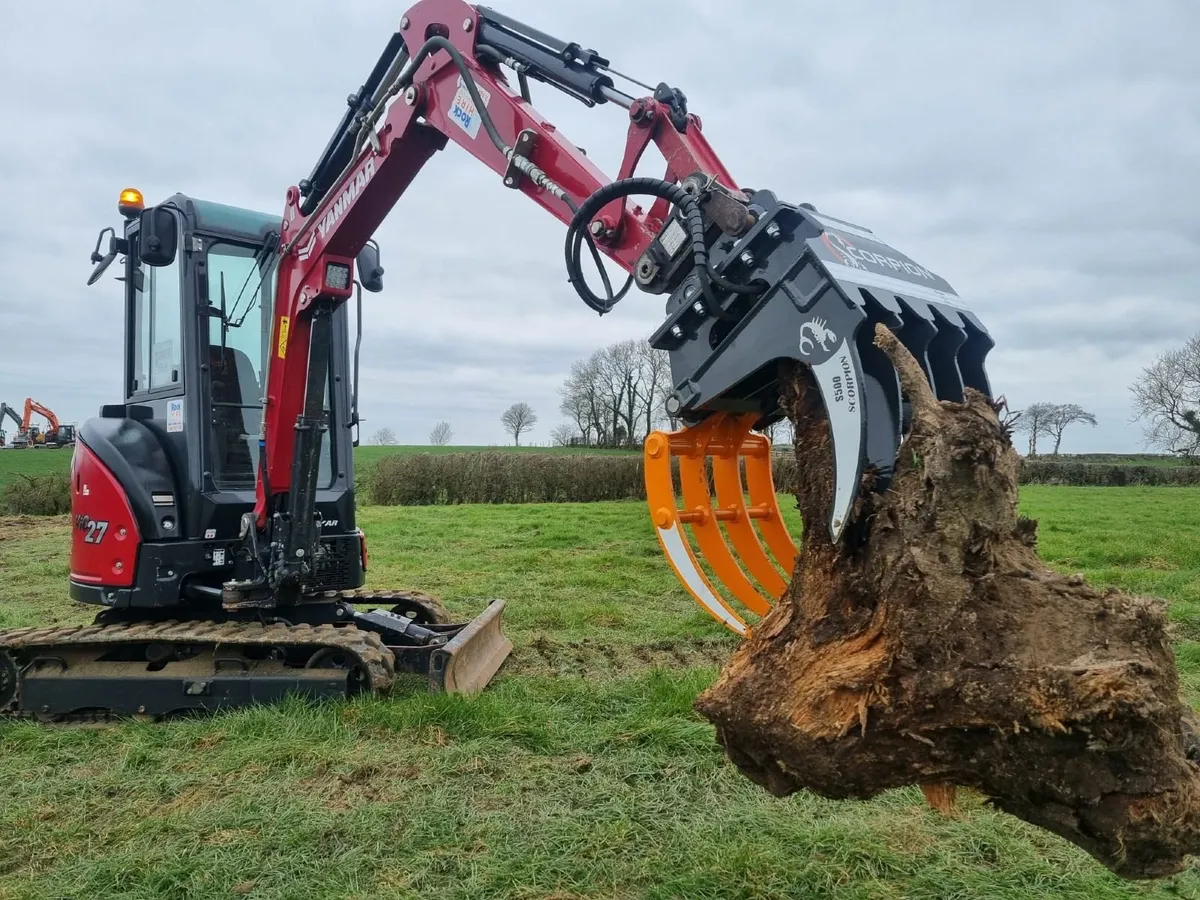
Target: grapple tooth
(724,438)
(973,354)
(917,332)
(943,354)
(660,495)
(754,452)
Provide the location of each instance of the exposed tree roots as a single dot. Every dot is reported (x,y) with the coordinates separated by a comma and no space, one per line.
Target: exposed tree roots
(932,647)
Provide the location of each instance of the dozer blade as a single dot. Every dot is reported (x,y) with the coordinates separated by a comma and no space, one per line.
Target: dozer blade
(467,663)
(725,441)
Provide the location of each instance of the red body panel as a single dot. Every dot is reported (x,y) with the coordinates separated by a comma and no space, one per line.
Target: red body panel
(104,534)
(353,208)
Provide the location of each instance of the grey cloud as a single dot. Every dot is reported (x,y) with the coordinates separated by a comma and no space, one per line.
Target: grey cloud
(1041,157)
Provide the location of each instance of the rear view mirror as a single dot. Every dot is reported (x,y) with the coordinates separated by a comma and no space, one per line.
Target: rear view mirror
(370,272)
(104,260)
(157,237)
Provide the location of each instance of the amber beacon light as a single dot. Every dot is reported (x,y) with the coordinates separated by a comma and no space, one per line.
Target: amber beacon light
(131,202)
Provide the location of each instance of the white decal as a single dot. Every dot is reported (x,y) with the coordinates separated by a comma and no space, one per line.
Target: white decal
(218,557)
(346,198)
(894,285)
(850,255)
(175,415)
(306,251)
(462,108)
(815,331)
(838,381)
(210,533)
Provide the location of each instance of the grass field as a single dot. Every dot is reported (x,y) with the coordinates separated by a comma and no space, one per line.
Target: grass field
(581,772)
(43,462)
(33,462)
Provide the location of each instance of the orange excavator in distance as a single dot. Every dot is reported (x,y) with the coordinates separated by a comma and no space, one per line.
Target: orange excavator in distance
(213,505)
(56,434)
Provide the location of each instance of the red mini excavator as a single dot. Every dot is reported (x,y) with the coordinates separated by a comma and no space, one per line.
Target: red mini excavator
(213,507)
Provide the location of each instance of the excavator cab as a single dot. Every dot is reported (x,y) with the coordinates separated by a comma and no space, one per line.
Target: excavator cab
(183,440)
(163,484)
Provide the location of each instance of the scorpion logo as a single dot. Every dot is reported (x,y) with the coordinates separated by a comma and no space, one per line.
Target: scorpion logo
(813,332)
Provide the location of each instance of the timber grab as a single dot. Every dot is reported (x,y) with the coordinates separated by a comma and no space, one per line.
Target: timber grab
(749,281)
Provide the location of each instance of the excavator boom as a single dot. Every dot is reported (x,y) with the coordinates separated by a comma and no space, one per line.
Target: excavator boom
(751,280)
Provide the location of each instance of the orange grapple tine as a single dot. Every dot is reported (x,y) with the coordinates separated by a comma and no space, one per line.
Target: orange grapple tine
(761,485)
(731,495)
(660,494)
(698,511)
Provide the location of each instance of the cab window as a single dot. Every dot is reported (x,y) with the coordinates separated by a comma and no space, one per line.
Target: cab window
(158,337)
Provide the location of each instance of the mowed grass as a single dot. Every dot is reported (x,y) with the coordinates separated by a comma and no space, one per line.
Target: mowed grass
(26,461)
(581,772)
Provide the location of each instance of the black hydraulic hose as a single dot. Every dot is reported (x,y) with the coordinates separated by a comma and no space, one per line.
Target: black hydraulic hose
(655,187)
(578,231)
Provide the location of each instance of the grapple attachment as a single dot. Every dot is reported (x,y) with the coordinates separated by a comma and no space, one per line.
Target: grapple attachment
(820,286)
(725,443)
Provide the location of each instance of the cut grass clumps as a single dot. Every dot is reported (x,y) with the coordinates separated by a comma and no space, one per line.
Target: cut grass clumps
(37,495)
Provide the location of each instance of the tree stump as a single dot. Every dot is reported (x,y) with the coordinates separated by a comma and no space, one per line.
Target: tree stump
(931,646)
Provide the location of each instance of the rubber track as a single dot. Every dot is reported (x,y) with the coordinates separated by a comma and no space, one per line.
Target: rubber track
(366,646)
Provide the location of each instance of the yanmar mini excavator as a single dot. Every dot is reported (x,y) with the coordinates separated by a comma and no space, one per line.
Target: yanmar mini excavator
(213,508)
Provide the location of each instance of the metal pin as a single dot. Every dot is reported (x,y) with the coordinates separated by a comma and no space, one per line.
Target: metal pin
(467,24)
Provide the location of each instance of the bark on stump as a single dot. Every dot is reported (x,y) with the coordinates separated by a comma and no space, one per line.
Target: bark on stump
(932,647)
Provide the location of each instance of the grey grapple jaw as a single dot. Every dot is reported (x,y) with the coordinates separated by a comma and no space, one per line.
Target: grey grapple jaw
(824,284)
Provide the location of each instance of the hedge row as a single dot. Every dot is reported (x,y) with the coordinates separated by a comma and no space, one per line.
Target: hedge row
(1037,471)
(423,479)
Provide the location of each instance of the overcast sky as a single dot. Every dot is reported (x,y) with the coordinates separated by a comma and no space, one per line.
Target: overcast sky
(1042,157)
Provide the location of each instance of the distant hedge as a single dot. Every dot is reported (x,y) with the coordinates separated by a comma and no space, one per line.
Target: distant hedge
(1038,471)
(425,479)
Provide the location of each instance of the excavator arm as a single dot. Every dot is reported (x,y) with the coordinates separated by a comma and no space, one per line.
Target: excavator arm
(7,411)
(750,280)
(32,407)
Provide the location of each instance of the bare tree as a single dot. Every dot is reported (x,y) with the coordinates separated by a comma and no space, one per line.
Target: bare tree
(1167,398)
(384,436)
(1063,414)
(564,435)
(518,418)
(441,434)
(1034,421)
(616,396)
